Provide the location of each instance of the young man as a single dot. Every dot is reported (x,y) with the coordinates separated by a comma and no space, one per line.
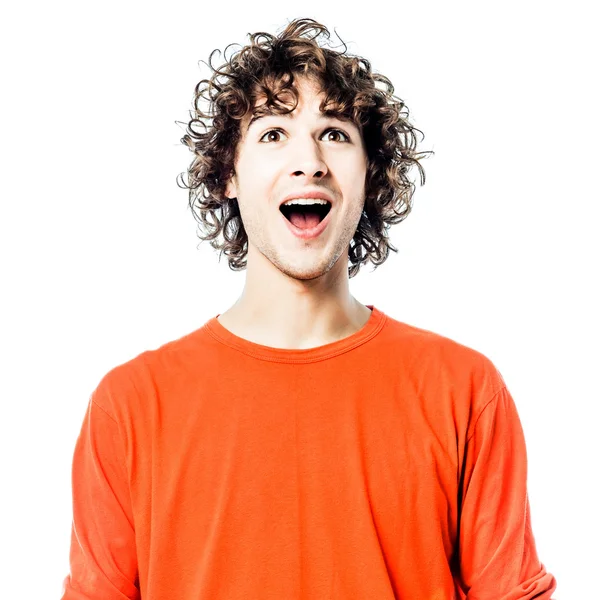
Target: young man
(302,444)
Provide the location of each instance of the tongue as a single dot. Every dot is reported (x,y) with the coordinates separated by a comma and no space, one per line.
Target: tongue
(304,220)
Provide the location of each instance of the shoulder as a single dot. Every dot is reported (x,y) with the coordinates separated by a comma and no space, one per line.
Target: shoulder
(149,373)
(443,360)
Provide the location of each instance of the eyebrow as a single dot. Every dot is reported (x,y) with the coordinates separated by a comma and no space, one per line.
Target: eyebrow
(322,117)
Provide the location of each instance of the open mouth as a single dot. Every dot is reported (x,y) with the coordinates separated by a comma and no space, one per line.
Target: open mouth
(305,216)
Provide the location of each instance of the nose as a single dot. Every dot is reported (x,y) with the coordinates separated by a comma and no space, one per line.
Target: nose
(308,160)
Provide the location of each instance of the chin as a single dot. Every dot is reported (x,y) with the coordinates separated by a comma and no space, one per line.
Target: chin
(312,270)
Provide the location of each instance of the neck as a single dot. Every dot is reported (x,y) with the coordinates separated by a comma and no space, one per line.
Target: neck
(296,314)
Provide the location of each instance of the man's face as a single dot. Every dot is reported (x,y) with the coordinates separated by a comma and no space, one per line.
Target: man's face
(303,154)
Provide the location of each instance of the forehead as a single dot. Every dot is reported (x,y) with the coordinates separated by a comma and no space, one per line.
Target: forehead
(307,89)
(310,95)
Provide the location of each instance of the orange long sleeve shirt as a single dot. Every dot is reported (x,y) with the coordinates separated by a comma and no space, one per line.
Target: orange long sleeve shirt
(390,464)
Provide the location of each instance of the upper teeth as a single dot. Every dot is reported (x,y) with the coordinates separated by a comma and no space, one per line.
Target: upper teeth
(305,201)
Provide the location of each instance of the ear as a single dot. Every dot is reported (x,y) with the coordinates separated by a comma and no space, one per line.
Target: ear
(231,188)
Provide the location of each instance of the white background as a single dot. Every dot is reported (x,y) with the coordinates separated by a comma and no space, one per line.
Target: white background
(100,259)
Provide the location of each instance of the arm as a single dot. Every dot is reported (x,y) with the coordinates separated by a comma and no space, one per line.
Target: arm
(497,557)
(103,562)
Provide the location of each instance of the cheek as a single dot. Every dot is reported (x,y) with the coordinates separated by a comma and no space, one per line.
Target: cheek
(256,173)
(355,174)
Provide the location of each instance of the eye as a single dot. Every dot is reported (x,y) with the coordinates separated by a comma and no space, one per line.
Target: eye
(270,132)
(338,131)
(279,131)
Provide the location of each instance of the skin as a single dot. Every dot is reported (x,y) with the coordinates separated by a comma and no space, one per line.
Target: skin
(296,294)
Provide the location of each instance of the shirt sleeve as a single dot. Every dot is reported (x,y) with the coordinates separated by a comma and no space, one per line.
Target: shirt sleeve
(496,551)
(103,562)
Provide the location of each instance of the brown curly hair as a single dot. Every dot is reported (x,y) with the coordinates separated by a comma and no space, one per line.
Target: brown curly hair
(266,68)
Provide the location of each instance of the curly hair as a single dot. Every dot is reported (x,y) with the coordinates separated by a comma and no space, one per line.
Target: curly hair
(266,68)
